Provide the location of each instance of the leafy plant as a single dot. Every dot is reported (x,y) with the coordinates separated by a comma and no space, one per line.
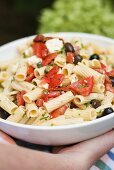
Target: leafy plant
(91,16)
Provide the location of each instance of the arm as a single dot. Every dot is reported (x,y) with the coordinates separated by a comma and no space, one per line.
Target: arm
(75,157)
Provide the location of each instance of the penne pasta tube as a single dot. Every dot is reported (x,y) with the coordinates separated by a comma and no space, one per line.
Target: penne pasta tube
(43,116)
(36,81)
(58,101)
(61,120)
(18,114)
(39,72)
(107,102)
(91,63)
(60,60)
(3,76)
(33,95)
(80,100)
(31,120)
(68,69)
(31,110)
(65,82)
(98,88)
(26,86)
(87,114)
(24,119)
(82,106)
(109,97)
(21,71)
(7,105)
(7,86)
(84,71)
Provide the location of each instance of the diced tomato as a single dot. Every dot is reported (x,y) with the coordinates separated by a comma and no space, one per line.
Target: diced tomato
(83,86)
(29,77)
(39,102)
(56,80)
(109,87)
(52,72)
(30,74)
(70,57)
(30,70)
(111,73)
(23,92)
(100,70)
(20,100)
(53,94)
(45,98)
(45,80)
(49,59)
(67,88)
(58,112)
(40,49)
(108,75)
(103,66)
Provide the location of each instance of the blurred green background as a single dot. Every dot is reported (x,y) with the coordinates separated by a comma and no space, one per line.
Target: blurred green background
(20,18)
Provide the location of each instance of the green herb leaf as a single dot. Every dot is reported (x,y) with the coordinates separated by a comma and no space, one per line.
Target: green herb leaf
(39,65)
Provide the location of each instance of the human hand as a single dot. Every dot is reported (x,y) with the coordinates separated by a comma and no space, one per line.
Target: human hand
(83,155)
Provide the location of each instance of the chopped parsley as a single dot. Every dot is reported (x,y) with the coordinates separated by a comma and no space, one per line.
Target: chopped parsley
(47,69)
(39,65)
(24,55)
(44,118)
(45,91)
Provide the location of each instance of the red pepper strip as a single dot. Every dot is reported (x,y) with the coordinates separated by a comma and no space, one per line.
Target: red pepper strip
(48,59)
(58,112)
(67,88)
(103,66)
(109,87)
(45,80)
(101,70)
(30,70)
(51,94)
(56,80)
(20,100)
(83,86)
(70,57)
(108,75)
(40,50)
(39,102)
(29,77)
(108,84)
(52,72)
(30,74)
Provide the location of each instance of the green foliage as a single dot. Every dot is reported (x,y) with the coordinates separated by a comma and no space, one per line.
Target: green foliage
(91,16)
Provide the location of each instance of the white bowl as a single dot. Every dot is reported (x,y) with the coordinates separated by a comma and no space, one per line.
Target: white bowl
(61,135)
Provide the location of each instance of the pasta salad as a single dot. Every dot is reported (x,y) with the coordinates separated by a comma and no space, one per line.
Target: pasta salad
(55,82)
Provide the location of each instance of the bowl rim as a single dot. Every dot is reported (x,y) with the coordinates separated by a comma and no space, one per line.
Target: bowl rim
(61,127)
